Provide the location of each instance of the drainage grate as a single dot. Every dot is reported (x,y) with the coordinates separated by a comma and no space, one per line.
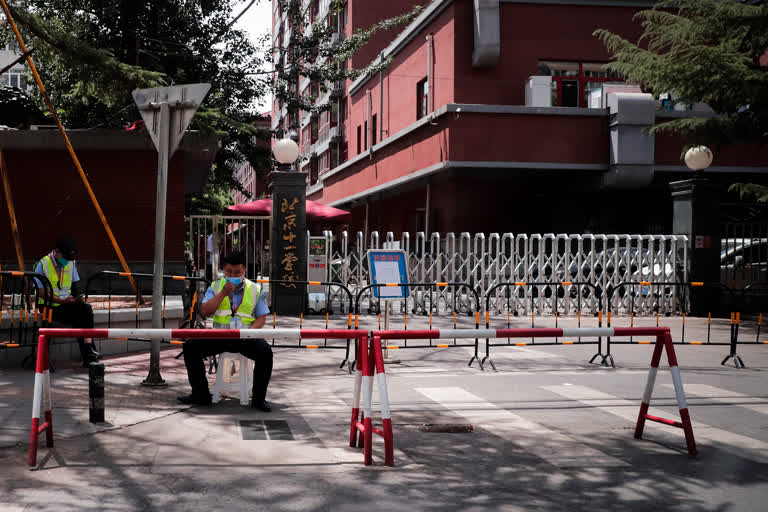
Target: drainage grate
(447,428)
(269,430)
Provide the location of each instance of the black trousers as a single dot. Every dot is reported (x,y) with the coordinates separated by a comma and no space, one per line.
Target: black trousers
(78,315)
(256,349)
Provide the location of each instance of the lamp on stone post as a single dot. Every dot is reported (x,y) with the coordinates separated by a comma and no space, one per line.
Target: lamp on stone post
(698,158)
(696,214)
(288,241)
(286,152)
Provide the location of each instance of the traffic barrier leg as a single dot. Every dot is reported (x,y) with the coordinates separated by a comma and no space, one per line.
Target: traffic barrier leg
(356,397)
(386,413)
(41,402)
(664,341)
(367,407)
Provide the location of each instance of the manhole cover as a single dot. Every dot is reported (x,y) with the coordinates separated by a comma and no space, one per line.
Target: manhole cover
(447,428)
(269,430)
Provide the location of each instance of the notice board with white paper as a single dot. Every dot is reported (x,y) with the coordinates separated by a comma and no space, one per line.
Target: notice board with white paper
(388,266)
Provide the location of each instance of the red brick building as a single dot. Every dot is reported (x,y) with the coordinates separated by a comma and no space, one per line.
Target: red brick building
(448,139)
(248,176)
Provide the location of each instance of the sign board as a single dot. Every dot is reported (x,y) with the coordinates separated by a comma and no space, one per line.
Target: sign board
(317,263)
(183,101)
(388,266)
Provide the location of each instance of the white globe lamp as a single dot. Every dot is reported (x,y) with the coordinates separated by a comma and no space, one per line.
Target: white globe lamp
(286,151)
(698,158)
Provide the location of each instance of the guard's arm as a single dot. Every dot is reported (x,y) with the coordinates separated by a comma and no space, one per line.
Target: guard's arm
(209,307)
(259,322)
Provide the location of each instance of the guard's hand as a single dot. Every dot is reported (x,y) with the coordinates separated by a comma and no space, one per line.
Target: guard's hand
(80,298)
(69,300)
(228,289)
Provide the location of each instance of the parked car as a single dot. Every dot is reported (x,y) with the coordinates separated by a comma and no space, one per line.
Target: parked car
(743,261)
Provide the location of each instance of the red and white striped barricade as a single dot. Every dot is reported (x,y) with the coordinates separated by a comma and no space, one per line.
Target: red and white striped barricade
(370,365)
(663,341)
(41,403)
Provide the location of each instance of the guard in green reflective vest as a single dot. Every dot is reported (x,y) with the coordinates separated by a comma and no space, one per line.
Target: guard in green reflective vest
(69,308)
(233,302)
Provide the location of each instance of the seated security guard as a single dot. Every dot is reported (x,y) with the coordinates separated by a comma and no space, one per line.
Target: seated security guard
(235,303)
(68,306)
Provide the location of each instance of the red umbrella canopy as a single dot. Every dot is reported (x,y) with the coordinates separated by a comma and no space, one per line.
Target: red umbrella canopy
(315,211)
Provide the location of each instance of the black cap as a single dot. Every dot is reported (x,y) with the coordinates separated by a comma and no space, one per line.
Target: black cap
(67,245)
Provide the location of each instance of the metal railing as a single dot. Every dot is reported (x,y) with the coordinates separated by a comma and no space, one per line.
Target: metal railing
(192,294)
(22,309)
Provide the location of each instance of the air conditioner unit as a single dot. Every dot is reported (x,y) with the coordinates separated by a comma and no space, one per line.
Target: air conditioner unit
(538,91)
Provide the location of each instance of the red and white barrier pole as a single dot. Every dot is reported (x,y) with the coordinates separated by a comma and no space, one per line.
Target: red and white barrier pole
(41,402)
(356,396)
(386,413)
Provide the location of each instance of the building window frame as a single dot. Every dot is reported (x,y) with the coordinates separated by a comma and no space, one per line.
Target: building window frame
(422,98)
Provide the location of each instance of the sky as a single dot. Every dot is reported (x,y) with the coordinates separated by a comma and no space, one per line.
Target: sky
(257,21)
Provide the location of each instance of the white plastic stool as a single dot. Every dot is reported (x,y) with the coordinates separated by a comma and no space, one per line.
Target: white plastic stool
(234,373)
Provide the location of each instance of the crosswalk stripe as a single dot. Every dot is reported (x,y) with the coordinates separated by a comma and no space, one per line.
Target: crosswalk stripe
(754,448)
(514,352)
(726,397)
(552,446)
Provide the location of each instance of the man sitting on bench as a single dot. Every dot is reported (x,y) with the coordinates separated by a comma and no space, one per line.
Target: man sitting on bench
(235,303)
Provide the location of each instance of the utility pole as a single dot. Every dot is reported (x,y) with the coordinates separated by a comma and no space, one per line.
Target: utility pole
(166,112)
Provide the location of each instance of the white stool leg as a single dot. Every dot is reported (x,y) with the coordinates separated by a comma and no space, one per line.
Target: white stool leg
(219,379)
(244,380)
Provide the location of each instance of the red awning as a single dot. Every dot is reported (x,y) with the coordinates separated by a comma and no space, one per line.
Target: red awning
(315,211)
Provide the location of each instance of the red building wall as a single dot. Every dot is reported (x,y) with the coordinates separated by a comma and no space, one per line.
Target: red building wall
(363,15)
(528,138)
(407,68)
(530,33)
(50,199)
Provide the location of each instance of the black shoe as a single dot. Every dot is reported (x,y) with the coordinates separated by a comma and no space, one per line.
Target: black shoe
(263,406)
(91,349)
(195,399)
(89,354)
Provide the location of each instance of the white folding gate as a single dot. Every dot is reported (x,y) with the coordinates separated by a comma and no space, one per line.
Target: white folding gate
(483,261)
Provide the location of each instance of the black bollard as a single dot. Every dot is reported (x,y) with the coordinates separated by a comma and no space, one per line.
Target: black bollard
(96,392)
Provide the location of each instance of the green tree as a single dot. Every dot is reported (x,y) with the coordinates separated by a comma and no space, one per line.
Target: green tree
(703,51)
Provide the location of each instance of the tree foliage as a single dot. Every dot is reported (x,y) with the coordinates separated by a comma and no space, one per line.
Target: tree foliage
(703,51)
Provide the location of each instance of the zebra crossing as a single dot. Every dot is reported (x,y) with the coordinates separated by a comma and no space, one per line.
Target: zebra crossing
(564,449)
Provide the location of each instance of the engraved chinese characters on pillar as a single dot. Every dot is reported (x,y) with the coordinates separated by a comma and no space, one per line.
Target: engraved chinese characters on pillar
(288,257)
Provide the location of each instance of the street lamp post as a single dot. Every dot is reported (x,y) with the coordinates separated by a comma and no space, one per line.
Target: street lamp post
(696,214)
(288,243)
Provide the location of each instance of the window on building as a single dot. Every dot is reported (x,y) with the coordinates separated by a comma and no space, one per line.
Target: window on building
(365,135)
(373,130)
(359,140)
(572,82)
(14,78)
(343,109)
(334,114)
(324,162)
(344,153)
(422,98)
(314,130)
